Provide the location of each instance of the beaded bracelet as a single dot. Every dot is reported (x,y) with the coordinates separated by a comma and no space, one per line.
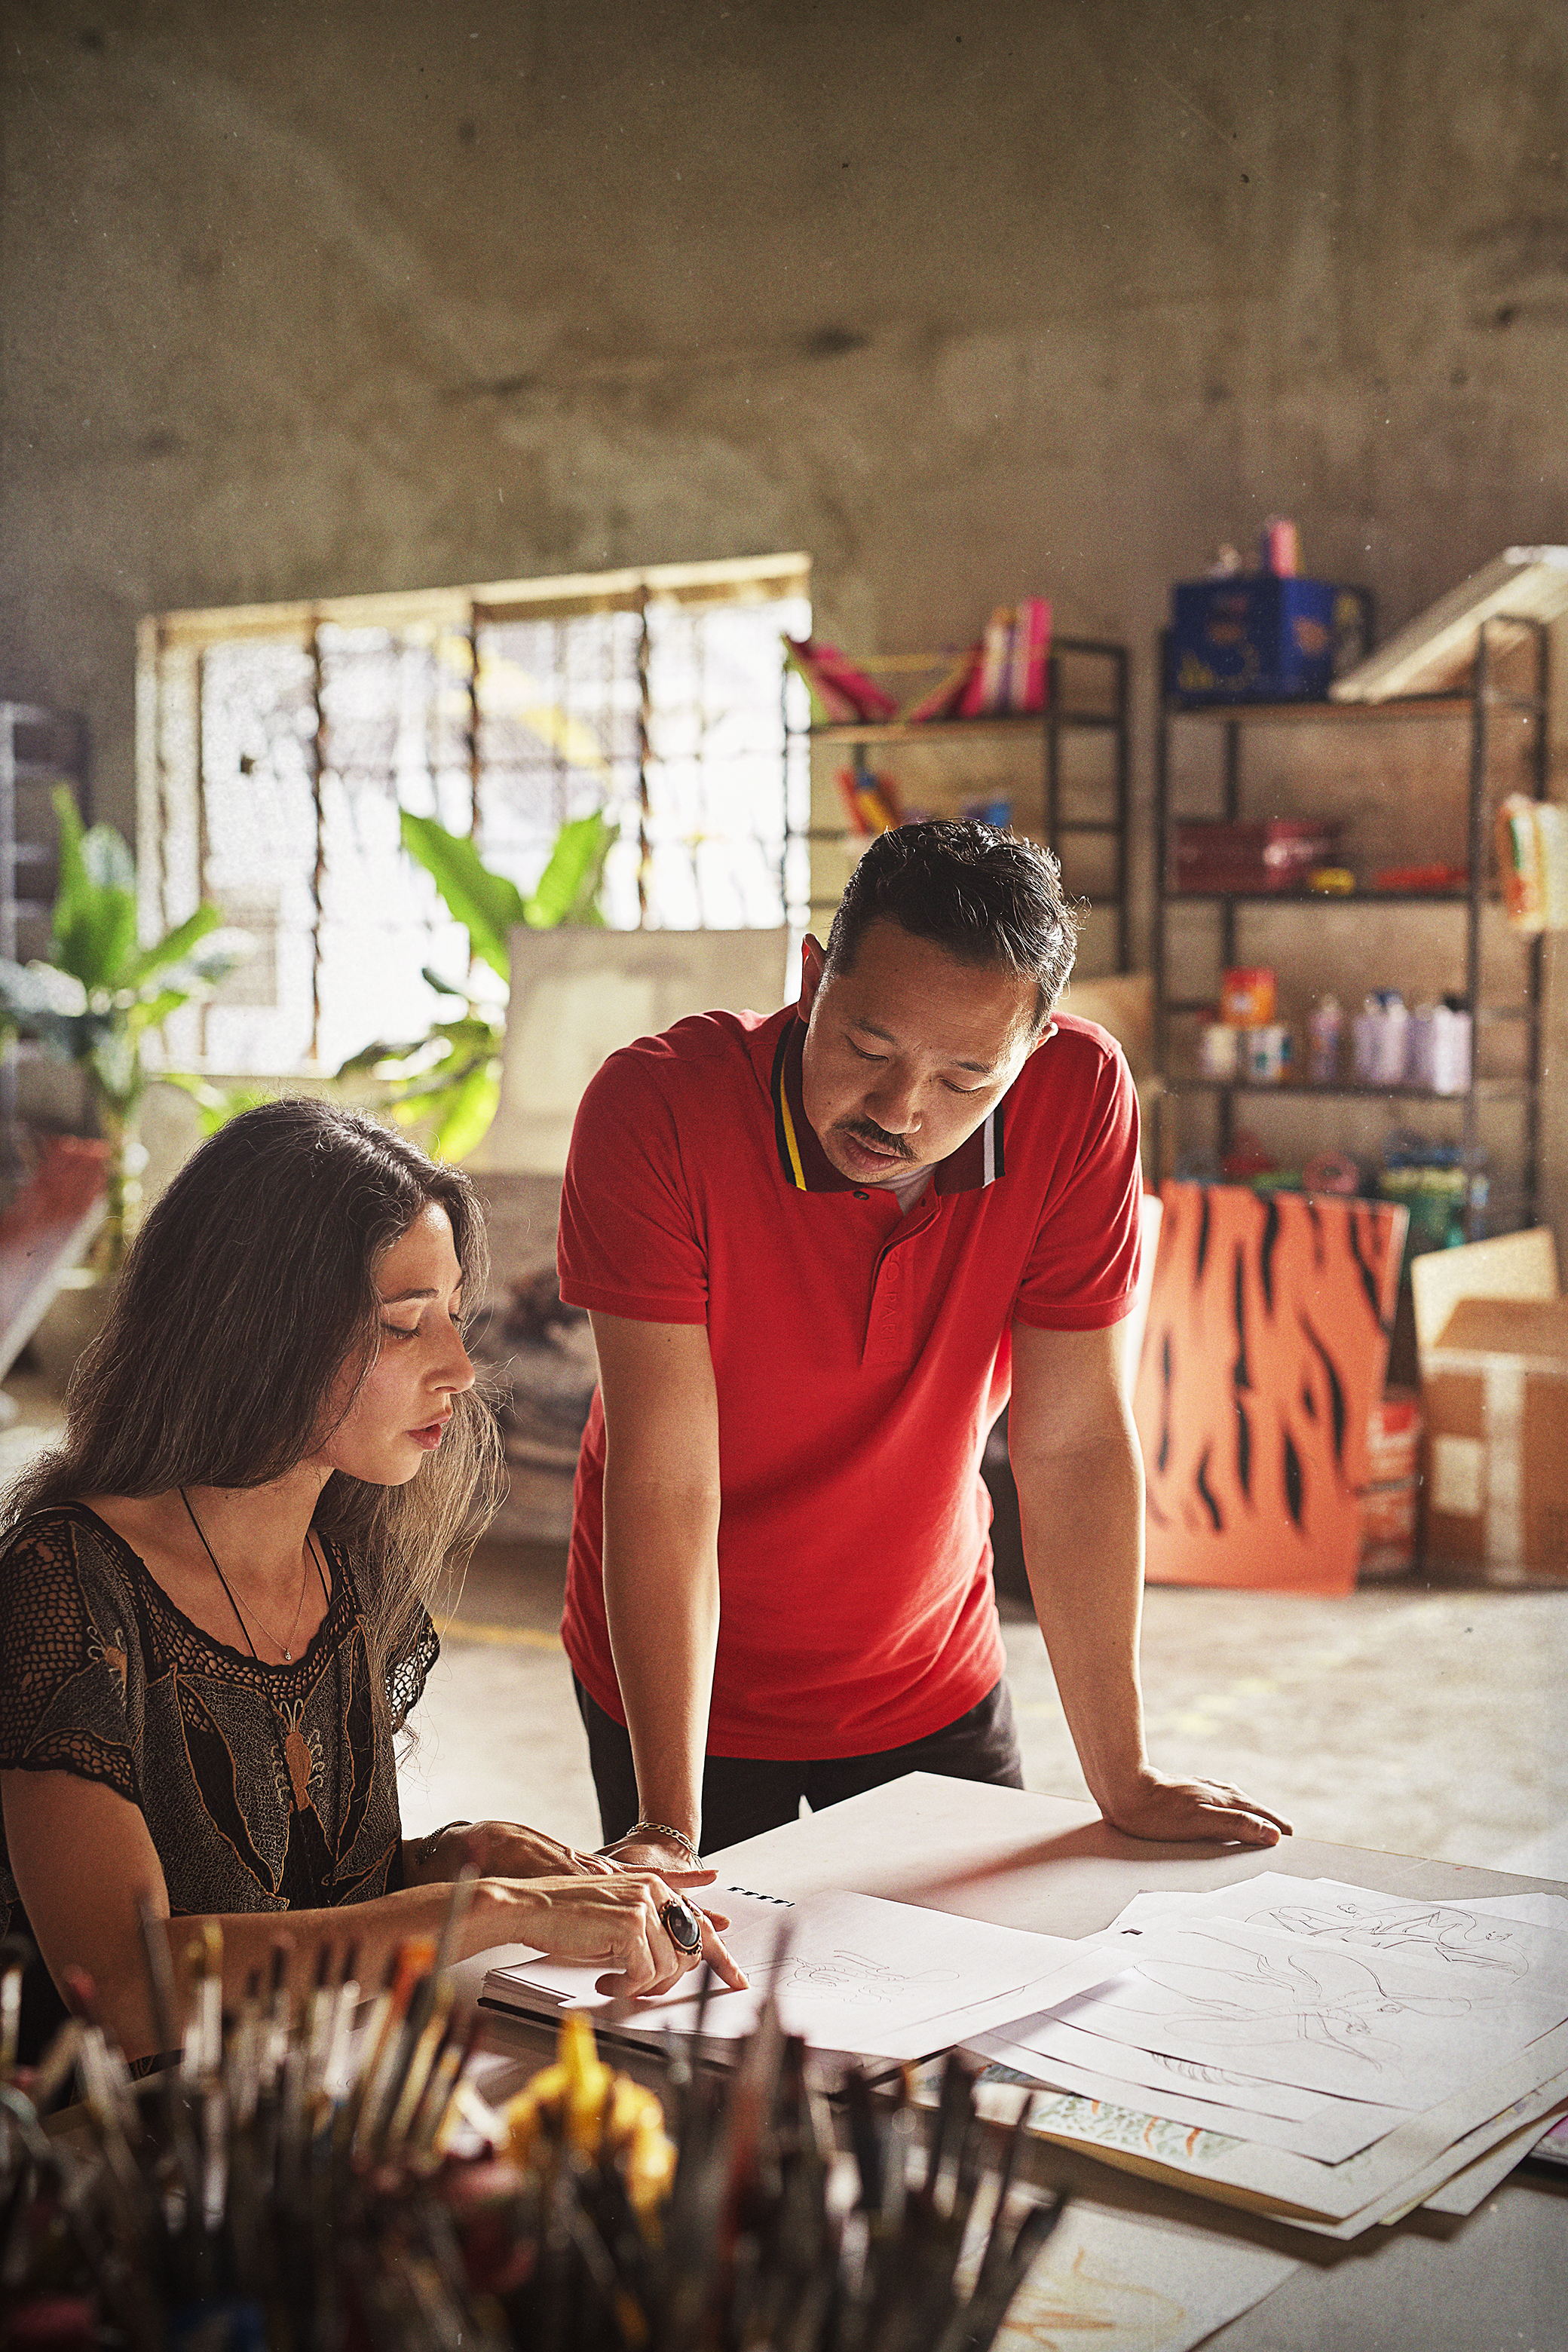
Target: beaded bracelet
(656,1829)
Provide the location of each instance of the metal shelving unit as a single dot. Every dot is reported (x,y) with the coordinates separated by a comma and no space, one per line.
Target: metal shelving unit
(1069,711)
(39,749)
(1480,704)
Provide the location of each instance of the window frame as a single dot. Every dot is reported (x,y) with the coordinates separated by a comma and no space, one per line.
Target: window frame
(171,860)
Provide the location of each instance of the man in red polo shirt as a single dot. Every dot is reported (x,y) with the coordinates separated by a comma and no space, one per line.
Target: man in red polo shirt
(818,1250)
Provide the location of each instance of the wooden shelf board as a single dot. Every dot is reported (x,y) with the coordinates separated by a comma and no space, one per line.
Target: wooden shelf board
(1486,1089)
(1336,714)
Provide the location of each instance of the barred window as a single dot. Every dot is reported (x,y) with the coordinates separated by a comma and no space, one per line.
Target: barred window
(278,744)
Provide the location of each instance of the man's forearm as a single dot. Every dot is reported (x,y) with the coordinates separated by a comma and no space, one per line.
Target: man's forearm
(661,1601)
(1082,1521)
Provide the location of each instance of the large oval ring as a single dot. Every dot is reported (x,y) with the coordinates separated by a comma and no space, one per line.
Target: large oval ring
(682,1925)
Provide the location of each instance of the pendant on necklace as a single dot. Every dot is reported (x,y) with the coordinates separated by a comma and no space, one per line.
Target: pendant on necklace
(289,1656)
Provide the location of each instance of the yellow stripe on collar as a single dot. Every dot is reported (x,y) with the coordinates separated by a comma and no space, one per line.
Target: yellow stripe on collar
(790,1144)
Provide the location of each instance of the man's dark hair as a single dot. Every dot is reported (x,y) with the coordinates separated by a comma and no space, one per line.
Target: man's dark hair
(979,894)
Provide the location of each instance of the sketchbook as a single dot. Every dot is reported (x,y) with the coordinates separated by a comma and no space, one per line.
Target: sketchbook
(854,1976)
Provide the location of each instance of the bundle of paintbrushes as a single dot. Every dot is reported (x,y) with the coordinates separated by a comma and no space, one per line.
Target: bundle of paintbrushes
(321,2173)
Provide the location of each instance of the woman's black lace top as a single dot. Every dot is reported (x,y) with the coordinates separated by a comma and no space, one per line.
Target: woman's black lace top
(264,1788)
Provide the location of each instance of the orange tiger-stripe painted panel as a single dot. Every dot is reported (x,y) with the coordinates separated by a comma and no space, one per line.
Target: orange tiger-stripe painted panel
(1265,1351)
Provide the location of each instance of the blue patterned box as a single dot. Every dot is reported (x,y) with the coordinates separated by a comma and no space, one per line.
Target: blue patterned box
(1255,638)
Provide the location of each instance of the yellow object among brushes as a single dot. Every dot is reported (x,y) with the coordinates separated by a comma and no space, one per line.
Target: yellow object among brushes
(578,2099)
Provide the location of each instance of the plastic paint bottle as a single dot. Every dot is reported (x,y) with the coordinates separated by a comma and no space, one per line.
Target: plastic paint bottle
(1325,1027)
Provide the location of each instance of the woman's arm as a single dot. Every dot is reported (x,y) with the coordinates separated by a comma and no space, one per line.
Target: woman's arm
(82,1858)
(496,1849)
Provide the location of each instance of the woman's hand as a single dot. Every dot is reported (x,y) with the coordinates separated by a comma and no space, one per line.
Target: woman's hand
(612,1919)
(512,1850)
(497,1849)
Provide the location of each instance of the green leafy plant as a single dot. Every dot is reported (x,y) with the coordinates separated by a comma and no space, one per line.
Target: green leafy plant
(216,1105)
(448,1082)
(96,997)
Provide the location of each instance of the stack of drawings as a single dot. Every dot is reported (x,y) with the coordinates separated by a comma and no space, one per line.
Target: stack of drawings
(1329,2055)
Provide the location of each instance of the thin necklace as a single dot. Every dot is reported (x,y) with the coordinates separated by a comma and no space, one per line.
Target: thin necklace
(287,1647)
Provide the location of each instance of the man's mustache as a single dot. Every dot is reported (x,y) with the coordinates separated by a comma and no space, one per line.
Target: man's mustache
(867,1132)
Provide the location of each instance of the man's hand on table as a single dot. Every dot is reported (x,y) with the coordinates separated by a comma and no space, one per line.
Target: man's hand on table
(1163,1808)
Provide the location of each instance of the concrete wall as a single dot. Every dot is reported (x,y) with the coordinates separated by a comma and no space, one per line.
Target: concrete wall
(964,298)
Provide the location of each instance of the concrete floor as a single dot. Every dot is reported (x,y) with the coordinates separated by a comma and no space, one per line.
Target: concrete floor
(1415,1720)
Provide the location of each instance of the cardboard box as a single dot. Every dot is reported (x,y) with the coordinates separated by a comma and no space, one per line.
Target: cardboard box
(1255,638)
(1495,1392)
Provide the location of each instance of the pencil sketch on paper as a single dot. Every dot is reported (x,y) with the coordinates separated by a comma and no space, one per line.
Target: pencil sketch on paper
(1239,1999)
(1458,1938)
(848,1977)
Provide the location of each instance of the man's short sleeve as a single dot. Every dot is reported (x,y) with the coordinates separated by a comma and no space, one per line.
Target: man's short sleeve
(1082,1272)
(629,1242)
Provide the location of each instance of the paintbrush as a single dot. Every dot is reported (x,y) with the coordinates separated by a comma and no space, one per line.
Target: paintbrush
(50,2168)
(321,2012)
(405,2105)
(15,1955)
(401,2051)
(279,2013)
(425,2134)
(985,2315)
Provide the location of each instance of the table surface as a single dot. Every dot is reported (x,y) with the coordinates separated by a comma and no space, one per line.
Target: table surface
(1499,2278)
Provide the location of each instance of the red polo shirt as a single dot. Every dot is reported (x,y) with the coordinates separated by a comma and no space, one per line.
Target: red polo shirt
(860,1356)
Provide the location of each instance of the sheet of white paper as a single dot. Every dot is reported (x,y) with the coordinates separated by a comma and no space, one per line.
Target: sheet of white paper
(1536,1909)
(1336,2129)
(1128,2282)
(1400,2006)
(1460,2159)
(889,1980)
(1470,2188)
(1332,1908)
(1054,2037)
(1395,2172)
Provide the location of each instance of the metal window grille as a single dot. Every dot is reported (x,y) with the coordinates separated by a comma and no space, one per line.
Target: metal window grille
(278,744)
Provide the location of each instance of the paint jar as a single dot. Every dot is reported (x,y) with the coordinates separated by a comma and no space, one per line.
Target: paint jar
(1440,1046)
(1381,1039)
(1217,1044)
(1265,1054)
(1325,1027)
(1249,996)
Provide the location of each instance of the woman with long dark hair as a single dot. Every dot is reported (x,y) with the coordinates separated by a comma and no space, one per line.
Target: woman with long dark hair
(215,1597)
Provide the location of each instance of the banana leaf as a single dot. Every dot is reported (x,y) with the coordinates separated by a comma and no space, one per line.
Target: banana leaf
(569,886)
(30,991)
(175,945)
(216,1105)
(94,919)
(469,1107)
(486,903)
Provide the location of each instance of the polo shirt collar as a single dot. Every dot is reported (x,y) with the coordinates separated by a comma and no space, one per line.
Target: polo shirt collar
(978,1161)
